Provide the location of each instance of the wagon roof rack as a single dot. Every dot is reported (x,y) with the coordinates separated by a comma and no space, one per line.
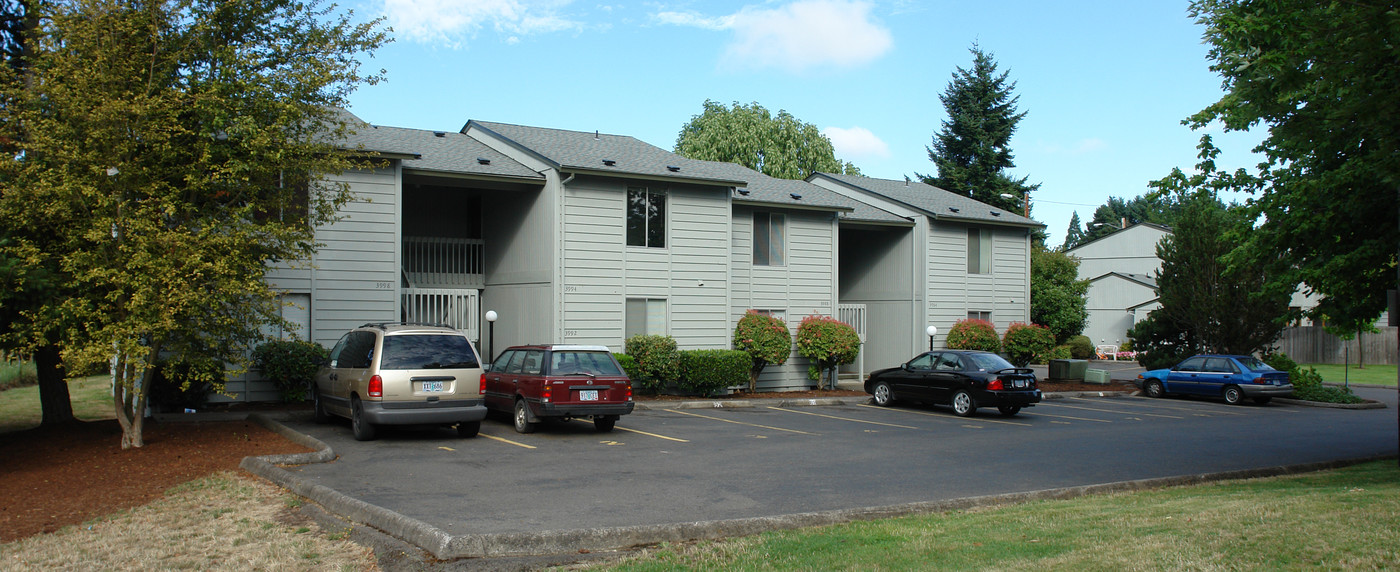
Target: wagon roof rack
(385,325)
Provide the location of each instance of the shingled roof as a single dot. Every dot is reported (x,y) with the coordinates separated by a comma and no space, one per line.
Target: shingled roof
(437,151)
(605,154)
(933,201)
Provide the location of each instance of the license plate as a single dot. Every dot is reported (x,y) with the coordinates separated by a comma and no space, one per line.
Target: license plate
(434,386)
(588,395)
(1020,384)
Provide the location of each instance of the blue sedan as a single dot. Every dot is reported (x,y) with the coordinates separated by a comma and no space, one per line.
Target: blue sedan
(1234,378)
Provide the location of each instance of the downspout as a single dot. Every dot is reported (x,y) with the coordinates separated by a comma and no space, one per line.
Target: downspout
(559,326)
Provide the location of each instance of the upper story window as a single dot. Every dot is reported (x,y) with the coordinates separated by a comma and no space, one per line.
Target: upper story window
(769,239)
(979,251)
(646,217)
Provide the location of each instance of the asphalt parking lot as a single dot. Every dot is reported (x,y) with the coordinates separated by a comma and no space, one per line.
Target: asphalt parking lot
(672,465)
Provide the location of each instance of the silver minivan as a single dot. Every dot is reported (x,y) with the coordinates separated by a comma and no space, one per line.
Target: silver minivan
(402,374)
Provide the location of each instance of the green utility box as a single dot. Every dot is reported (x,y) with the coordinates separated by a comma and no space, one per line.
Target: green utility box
(1099,376)
(1068,369)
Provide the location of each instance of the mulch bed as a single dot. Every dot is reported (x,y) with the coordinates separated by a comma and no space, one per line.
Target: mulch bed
(70,474)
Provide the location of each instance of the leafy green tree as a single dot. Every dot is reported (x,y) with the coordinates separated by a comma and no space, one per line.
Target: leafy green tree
(1321,77)
(766,339)
(778,146)
(1027,343)
(1057,294)
(164,156)
(973,149)
(1207,304)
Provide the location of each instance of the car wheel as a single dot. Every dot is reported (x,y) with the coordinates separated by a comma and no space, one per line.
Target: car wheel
(318,406)
(963,404)
(1233,395)
(882,394)
(363,429)
(522,418)
(1008,410)
(1154,388)
(467,429)
(604,424)
(1263,400)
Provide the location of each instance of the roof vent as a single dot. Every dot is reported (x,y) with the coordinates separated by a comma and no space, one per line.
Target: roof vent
(996,213)
(955,209)
(795,196)
(673,168)
(595,135)
(609,162)
(439,134)
(744,192)
(483,161)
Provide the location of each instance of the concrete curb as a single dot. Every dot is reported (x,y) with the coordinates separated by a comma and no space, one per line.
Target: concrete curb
(1368,404)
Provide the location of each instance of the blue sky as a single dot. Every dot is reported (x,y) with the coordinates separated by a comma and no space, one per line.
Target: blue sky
(1105,84)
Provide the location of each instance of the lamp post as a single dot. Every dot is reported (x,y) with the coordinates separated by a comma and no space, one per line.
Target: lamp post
(931,331)
(490,336)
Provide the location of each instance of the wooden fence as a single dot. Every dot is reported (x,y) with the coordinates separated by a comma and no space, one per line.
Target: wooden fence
(1312,344)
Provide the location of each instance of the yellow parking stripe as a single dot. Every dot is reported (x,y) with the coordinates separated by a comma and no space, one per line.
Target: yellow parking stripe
(651,435)
(1111,410)
(943,417)
(495,438)
(842,418)
(739,422)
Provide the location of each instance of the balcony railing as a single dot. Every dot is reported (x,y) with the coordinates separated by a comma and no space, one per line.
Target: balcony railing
(434,262)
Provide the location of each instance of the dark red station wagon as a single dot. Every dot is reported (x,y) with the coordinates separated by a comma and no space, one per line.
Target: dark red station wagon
(557,381)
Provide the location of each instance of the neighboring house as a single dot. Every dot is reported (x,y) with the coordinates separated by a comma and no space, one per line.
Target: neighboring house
(590,238)
(1122,272)
(953,258)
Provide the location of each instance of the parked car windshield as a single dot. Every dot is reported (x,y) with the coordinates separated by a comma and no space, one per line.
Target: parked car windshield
(427,351)
(582,363)
(1253,364)
(989,362)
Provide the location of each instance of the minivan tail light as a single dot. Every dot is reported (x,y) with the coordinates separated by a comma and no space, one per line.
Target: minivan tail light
(376,386)
(482,389)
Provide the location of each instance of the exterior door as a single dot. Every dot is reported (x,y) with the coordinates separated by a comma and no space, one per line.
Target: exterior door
(911,382)
(947,376)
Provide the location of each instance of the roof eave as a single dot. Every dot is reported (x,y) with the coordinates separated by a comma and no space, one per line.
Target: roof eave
(650,177)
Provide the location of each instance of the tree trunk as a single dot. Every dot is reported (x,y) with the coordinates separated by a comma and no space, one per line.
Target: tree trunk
(53,389)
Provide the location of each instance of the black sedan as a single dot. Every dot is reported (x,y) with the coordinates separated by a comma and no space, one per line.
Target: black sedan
(964,379)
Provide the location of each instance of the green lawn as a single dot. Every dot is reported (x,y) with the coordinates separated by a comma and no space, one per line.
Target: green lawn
(1343,519)
(1371,374)
(91,397)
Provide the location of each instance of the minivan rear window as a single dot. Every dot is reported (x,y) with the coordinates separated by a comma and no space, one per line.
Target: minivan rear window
(427,351)
(573,362)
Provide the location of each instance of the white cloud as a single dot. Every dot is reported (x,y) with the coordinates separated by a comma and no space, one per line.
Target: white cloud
(797,36)
(451,21)
(856,142)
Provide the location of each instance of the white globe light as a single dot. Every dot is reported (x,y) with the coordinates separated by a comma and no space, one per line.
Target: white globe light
(932,331)
(491,315)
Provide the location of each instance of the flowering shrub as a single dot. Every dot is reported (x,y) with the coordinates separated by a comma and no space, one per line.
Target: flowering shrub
(827,341)
(657,361)
(704,372)
(974,335)
(766,339)
(1024,342)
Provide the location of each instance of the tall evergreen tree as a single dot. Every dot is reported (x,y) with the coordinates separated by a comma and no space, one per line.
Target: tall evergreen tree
(973,150)
(1075,234)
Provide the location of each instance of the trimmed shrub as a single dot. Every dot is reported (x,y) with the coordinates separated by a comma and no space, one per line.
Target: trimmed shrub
(1307,385)
(1081,347)
(290,365)
(180,382)
(828,342)
(704,372)
(1059,352)
(974,335)
(1024,342)
(657,361)
(766,339)
(629,365)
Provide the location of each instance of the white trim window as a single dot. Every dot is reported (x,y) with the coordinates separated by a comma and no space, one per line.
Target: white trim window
(644,316)
(979,251)
(977,315)
(769,239)
(646,217)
